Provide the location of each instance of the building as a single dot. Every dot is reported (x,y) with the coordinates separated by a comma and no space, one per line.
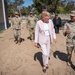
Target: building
(3,15)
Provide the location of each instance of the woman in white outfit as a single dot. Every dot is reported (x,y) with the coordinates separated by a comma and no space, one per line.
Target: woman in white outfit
(45,35)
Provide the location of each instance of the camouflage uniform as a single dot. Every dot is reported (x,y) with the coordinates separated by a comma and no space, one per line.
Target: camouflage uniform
(16,22)
(70,41)
(31,21)
(39,17)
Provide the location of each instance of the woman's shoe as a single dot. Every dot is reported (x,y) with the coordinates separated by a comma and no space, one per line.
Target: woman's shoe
(44,70)
(48,58)
(47,67)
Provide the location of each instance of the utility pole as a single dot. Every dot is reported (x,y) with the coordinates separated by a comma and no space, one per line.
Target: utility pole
(5,24)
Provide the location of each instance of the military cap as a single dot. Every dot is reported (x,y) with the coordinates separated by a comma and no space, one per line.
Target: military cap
(72,13)
(16,13)
(31,12)
(44,7)
(56,14)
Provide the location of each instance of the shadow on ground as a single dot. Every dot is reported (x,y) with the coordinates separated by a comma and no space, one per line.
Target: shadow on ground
(64,57)
(38,56)
(73,66)
(22,39)
(29,37)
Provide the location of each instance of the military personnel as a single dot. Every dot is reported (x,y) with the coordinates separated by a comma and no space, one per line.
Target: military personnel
(31,21)
(16,24)
(44,8)
(69,31)
(57,23)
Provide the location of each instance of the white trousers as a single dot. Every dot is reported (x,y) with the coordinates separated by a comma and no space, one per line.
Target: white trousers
(45,50)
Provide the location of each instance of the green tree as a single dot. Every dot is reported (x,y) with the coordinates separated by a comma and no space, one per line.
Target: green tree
(26,10)
(52,5)
(12,6)
(60,9)
(70,6)
(18,2)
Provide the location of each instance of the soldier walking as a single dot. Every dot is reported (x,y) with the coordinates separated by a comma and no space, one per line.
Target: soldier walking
(69,31)
(31,21)
(57,23)
(16,23)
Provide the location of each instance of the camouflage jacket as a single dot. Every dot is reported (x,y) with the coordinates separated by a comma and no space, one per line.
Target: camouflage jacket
(71,36)
(16,23)
(31,22)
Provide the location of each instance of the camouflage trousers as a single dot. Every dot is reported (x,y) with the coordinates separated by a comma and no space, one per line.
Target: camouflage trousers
(31,33)
(17,34)
(70,48)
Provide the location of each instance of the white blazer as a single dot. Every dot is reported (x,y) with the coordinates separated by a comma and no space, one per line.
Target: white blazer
(40,34)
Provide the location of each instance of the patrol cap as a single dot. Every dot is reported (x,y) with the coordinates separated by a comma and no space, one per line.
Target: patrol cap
(56,14)
(16,13)
(31,12)
(44,7)
(72,13)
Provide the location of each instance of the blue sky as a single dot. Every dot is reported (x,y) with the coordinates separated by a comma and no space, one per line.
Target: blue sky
(30,2)
(27,3)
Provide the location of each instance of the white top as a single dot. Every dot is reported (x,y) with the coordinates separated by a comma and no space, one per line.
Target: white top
(46,28)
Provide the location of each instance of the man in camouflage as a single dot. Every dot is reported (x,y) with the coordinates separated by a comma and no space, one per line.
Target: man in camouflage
(69,31)
(16,24)
(31,21)
(44,8)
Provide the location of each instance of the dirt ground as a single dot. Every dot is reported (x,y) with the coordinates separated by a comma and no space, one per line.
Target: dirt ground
(25,59)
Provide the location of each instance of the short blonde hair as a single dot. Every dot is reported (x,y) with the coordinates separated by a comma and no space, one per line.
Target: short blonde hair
(45,13)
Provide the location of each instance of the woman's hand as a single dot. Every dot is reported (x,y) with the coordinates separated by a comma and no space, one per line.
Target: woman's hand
(54,41)
(67,31)
(35,44)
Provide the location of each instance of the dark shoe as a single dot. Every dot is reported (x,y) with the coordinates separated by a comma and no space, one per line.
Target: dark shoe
(68,64)
(30,39)
(49,58)
(38,45)
(16,42)
(47,67)
(44,70)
